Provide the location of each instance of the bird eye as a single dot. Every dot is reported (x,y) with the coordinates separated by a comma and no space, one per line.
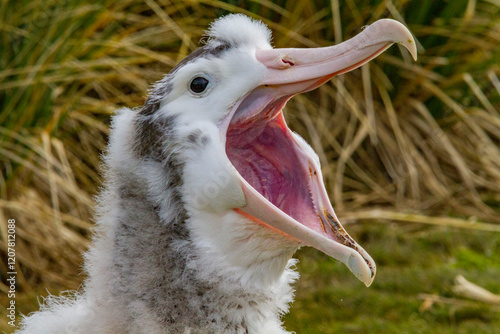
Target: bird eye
(198,85)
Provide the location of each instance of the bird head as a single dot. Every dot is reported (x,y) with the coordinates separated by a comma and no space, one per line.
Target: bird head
(241,164)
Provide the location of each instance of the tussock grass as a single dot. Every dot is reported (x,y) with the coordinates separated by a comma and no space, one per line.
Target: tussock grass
(398,140)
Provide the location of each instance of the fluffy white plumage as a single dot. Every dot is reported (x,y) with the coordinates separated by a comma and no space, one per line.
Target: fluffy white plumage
(244,282)
(239,29)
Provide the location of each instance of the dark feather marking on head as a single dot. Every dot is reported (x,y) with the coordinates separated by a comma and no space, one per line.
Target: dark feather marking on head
(198,138)
(205,51)
(163,87)
(194,136)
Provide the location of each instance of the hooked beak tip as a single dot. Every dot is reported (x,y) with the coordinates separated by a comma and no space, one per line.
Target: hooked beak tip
(403,36)
(411,46)
(363,267)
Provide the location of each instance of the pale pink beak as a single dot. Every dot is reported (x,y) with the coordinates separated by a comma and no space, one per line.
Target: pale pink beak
(284,188)
(287,66)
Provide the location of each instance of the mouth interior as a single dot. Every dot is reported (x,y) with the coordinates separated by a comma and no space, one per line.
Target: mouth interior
(263,151)
(271,160)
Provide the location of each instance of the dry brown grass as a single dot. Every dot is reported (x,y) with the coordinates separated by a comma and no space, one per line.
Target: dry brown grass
(398,140)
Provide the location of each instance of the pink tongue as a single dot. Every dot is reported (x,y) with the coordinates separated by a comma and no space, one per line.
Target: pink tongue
(265,157)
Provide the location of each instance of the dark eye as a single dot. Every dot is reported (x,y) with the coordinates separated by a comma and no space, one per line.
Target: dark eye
(198,85)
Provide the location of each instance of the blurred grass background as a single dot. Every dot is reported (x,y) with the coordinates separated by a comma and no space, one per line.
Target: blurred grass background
(410,151)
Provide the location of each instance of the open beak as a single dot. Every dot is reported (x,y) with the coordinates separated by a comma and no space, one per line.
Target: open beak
(280,174)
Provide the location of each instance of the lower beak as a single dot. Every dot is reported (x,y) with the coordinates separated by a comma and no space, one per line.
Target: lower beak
(290,72)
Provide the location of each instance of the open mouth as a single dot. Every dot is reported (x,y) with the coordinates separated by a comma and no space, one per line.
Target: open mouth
(280,174)
(263,152)
(283,170)
(266,154)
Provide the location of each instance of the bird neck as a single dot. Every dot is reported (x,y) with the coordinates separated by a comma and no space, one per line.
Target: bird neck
(153,259)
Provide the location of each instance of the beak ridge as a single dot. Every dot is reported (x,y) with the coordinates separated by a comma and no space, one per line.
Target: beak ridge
(308,64)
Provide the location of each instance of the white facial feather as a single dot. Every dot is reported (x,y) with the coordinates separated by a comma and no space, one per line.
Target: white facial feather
(210,180)
(231,76)
(238,29)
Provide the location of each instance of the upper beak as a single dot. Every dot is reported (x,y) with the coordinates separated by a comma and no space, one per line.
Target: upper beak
(290,72)
(285,66)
